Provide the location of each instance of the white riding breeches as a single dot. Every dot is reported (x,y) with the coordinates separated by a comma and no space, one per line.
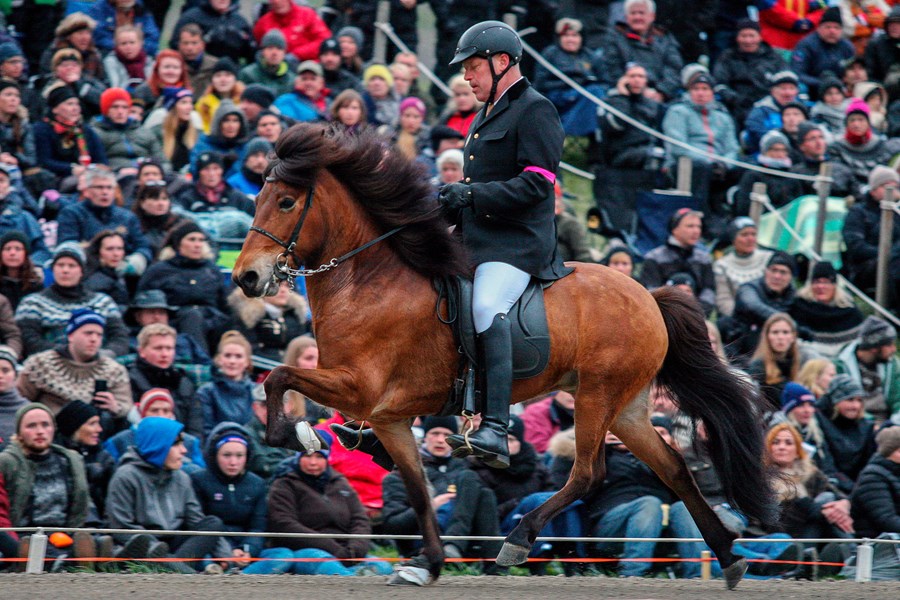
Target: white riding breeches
(496,288)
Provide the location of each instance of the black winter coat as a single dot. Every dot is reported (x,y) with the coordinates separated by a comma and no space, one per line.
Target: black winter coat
(755,302)
(226,34)
(658,53)
(145,376)
(844,184)
(239,501)
(664,261)
(187,282)
(99,467)
(780,190)
(882,58)
(875,503)
(231,199)
(511,218)
(850,443)
(525,475)
(106,280)
(625,146)
(861,231)
(742,78)
(627,479)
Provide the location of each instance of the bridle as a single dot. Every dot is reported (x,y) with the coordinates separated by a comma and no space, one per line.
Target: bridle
(282,272)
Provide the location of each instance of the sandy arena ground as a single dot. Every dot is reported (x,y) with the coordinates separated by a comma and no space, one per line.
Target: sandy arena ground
(284,587)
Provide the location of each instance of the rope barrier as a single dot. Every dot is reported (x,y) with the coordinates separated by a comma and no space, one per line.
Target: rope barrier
(811,253)
(649,130)
(434,79)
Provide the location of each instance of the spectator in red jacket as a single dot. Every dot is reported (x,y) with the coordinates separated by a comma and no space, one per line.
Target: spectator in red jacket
(786,22)
(543,419)
(9,541)
(301,26)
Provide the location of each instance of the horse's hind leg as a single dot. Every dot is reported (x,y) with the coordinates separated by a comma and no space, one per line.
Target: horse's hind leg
(593,414)
(398,439)
(633,427)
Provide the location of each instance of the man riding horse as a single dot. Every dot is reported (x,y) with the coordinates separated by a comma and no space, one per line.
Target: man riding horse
(504,211)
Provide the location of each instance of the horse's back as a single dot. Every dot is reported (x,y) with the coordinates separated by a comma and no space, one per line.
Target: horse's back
(599,316)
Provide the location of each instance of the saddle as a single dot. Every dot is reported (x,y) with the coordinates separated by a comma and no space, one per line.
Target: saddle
(530,335)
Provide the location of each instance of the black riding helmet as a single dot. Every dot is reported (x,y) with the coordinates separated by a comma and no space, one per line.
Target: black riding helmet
(486,39)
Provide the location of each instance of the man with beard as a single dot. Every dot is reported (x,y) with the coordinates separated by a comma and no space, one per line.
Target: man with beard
(46,483)
(871,362)
(249,180)
(812,145)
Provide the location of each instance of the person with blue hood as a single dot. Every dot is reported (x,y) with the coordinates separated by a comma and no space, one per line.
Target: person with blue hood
(227,490)
(149,491)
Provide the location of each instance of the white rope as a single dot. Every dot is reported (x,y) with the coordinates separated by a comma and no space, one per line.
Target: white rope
(811,253)
(434,79)
(375,536)
(649,130)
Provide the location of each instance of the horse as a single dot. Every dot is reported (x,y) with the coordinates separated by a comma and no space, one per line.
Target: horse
(370,218)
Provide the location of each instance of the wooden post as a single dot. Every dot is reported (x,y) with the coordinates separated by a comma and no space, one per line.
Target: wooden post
(706,565)
(685,172)
(757,196)
(823,188)
(884,244)
(379,47)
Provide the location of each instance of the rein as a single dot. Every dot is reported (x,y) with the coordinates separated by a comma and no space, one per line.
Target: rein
(283,272)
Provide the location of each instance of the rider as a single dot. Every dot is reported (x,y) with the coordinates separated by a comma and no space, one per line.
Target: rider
(504,210)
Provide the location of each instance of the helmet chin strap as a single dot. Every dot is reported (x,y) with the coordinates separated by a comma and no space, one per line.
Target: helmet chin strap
(495,79)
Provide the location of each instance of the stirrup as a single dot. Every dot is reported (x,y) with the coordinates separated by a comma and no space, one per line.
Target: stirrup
(337,429)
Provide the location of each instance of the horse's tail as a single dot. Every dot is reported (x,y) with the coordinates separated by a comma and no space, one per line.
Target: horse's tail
(705,389)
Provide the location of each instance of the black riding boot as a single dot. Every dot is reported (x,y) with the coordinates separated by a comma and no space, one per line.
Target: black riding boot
(490,443)
(368,443)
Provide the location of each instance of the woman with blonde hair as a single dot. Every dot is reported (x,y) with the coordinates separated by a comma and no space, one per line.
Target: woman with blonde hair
(229,396)
(180,128)
(777,360)
(303,353)
(816,375)
(827,311)
(463,107)
(810,506)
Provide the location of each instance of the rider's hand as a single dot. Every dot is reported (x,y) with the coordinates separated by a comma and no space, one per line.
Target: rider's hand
(455,196)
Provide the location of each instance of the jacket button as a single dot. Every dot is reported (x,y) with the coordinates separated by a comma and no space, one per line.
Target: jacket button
(193,282)
(471,157)
(488,217)
(468,180)
(475,136)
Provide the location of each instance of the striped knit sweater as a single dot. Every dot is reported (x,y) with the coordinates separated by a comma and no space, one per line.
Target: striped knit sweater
(42,318)
(732,271)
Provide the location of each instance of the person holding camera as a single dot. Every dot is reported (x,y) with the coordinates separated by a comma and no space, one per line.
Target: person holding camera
(76,371)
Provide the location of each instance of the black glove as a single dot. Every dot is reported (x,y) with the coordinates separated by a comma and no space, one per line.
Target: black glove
(455,196)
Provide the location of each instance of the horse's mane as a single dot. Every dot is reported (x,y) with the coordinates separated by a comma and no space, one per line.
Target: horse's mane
(392,190)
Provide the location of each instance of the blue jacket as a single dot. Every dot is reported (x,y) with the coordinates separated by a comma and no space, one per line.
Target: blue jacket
(81,222)
(239,501)
(17,219)
(118,445)
(764,116)
(224,399)
(697,125)
(243,185)
(105,14)
(297,107)
(812,57)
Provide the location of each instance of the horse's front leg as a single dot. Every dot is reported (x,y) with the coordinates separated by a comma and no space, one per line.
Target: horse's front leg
(334,388)
(399,441)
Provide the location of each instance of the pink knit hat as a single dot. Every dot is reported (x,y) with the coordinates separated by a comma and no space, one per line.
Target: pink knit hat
(857,106)
(413,102)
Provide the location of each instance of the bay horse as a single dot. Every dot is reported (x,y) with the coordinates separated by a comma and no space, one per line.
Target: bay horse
(371,219)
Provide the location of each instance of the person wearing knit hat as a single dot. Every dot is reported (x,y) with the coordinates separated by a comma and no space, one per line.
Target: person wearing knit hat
(413,103)
(71,250)
(771,139)
(82,317)
(691,71)
(249,180)
(259,95)
(857,106)
(10,398)
(783,259)
(273,39)
(75,414)
(683,281)
(821,53)
(157,402)
(55,496)
(449,423)
(378,70)
(330,46)
(793,395)
(888,442)
(210,158)
(849,435)
(187,228)
(823,270)
(883,176)
(111,95)
(747,24)
(171,95)
(876,333)
(9,50)
(354,34)
(225,64)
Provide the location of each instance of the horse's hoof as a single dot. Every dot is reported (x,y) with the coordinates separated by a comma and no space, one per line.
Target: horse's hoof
(308,437)
(734,573)
(512,554)
(409,575)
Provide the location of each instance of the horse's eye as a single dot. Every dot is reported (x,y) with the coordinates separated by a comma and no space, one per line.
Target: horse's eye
(286,203)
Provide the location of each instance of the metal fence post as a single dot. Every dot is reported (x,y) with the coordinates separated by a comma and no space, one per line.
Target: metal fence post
(823,189)
(884,244)
(685,173)
(757,198)
(379,46)
(37,551)
(511,19)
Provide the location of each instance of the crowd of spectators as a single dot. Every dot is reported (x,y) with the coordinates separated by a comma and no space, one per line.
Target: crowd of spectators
(129,368)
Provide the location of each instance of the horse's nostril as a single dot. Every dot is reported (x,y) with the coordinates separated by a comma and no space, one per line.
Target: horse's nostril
(248,280)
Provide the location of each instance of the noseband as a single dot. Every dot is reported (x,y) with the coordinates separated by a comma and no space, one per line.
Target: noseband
(282,272)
